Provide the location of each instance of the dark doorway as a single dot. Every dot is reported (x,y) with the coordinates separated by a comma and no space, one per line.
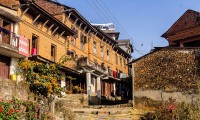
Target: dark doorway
(4,66)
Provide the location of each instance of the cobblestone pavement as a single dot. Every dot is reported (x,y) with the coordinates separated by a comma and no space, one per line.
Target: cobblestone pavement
(108,114)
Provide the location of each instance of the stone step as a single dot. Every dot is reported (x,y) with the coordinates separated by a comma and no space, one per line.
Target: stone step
(109,106)
(108,114)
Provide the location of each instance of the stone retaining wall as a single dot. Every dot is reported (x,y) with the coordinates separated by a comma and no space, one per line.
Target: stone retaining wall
(10,89)
(153,98)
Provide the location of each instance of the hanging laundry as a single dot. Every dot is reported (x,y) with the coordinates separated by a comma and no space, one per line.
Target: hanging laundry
(69,52)
(7,32)
(121,75)
(34,51)
(114,74)
(15,39)
(0,38)
(1,29)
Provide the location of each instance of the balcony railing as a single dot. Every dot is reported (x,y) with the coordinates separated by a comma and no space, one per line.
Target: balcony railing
(98,67)
(83,62)
(113,74)
(9,40)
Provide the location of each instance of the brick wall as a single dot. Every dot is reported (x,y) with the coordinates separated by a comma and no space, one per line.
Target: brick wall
(9,3)
(186,26)
(51,8)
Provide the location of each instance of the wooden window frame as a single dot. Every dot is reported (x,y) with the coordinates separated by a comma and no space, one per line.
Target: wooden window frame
(53,53)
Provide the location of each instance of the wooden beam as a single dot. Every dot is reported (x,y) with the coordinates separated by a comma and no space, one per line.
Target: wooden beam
(84,28)
(55,30)
(35,19)
(50,27)
(89,31)
(103,38)
(80,25)
(67,18)
(61,34)
(106,40)
(76,21)
(24,12)
(96,34)
(44,24)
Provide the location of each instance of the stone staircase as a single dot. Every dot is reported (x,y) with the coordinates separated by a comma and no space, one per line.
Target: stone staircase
(126,113)
(109,106)
(74,100)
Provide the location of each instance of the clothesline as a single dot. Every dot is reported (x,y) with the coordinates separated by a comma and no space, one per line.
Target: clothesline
(7,32)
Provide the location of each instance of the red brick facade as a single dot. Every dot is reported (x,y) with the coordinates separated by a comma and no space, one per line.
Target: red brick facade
(185,32)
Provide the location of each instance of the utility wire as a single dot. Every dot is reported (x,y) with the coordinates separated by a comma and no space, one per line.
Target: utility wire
(115,19)
(110,17)
(109,13)
(95,10)
(100,11)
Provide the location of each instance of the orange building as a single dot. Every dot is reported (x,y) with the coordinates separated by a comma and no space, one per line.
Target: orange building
(27,24)
(98,63)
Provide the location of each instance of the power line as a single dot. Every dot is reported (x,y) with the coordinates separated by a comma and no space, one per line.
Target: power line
(121,27)
(115,19)
(109,16)
(100,11)
(95,10)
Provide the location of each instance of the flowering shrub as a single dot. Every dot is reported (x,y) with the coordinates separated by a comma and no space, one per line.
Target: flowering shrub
(17,110)
(176,111)
(12,110)
(42,77)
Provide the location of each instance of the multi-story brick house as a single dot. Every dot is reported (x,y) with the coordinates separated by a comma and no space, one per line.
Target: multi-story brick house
(10,51)
(98,63)
(95,51)
(34,35)
(185,32)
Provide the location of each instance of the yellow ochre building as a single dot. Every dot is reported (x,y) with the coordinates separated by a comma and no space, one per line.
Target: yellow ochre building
(53,31)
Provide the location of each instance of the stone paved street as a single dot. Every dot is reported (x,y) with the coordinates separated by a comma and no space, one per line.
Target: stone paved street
(108,114)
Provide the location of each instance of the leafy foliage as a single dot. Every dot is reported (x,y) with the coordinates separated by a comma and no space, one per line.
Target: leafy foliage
(42,77)
(183,111)
(175,111)
(16,109)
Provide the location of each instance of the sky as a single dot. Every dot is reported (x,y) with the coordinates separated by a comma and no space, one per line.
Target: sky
(142,21)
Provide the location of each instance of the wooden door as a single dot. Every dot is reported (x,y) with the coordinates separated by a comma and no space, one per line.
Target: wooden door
(4,66)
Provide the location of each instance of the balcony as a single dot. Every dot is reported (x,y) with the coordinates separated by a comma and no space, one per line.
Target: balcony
(9,45)
(99,69)
(114,74)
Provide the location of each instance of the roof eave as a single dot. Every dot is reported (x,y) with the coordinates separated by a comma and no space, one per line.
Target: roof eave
(70,32)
